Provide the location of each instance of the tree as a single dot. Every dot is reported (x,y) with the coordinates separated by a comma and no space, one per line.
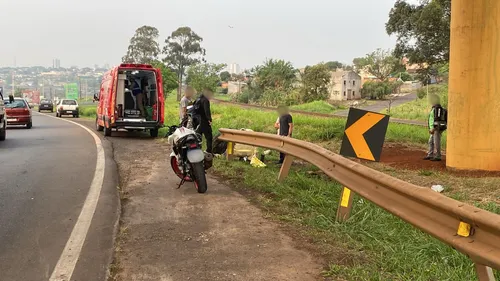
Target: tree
(405,76)
(360,63)
(379,90)
(183,49)
(334,65)
(225,76)
(275,74)
(205,75)
(315,83)
(18,93)
(379,63)
(422,30)
(144,47)
(168,76)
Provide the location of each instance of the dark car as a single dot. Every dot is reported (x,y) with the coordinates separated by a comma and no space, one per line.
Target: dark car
(18,112)
(46,105)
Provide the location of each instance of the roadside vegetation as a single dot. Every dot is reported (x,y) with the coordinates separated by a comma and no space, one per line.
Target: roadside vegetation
(319,107)
(371,245)
(88,111)
(420,108)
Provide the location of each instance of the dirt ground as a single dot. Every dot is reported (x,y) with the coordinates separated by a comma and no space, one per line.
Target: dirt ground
(171,234)
(411,158)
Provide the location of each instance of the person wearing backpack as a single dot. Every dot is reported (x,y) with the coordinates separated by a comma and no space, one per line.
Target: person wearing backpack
(203,116)
(438,118)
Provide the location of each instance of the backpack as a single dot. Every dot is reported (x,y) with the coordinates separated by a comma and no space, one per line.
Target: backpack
(441,118)
(194,112)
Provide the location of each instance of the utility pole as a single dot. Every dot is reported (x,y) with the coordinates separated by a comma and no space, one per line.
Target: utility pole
(80,85)
(13,78)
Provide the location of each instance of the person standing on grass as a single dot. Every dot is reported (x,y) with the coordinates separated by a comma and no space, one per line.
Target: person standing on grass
(284,125)
(185,102)
(204,115)
(437,124)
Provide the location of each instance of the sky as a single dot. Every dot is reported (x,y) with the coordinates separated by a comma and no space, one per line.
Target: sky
(89,32)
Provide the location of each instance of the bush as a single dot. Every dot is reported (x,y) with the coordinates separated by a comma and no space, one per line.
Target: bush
(243,97)
(421,93)
(88,111)
(440,90)
(272,97)
(378,90)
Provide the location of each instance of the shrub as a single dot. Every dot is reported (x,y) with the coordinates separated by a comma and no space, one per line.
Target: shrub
(421,93)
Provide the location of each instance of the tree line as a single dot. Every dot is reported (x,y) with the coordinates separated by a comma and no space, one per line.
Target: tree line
(422,32)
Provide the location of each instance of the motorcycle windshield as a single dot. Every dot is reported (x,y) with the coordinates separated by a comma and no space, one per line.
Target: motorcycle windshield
(195,156)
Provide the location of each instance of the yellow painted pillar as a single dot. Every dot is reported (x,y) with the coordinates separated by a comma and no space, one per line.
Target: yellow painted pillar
(473,140)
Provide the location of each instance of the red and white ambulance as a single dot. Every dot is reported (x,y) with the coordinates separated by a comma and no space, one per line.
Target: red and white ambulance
(131,98)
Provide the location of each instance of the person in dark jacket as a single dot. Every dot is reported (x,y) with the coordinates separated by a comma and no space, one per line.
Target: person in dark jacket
(284,124)
(205,117)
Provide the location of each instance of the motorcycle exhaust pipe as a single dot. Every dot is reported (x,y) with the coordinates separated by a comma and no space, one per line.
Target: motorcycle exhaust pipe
(209,158)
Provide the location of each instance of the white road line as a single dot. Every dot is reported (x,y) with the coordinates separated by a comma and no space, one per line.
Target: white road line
(69,257)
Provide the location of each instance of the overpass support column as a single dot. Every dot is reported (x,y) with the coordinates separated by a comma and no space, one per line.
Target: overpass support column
(473,140)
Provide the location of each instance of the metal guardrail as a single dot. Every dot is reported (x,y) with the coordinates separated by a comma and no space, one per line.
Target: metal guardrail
(468,229)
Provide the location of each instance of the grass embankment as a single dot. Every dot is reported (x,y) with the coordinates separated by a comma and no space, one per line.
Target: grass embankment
(88,111)
(318,107)
(308,128)
(419,109)
(373,244)
(414,110)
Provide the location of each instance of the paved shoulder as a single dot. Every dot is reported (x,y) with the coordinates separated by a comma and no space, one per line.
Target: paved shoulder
(178,234)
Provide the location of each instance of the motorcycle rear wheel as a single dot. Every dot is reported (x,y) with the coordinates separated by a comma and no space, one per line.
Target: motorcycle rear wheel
(177,170)
(199,177)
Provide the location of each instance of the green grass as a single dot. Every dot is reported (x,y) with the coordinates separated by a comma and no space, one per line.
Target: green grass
(87,110)
(317,107)
(375,245)
(414,110)
(308,128)
(223,97)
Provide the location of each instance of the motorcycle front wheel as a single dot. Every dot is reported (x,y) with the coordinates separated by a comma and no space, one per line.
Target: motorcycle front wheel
(199,177)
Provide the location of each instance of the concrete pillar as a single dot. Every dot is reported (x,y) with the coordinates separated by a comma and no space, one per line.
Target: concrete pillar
(473,140)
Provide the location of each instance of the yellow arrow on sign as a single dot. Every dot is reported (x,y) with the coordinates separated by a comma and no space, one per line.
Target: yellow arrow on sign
(355,134)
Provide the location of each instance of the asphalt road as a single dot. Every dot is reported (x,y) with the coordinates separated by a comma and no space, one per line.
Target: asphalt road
(45,175)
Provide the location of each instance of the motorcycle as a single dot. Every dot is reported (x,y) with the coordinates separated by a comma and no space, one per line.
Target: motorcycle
(188,161)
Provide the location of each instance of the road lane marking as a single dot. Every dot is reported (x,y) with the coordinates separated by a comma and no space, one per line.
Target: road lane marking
(69,257)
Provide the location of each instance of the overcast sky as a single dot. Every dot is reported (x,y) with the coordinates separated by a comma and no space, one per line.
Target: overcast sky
(88,32)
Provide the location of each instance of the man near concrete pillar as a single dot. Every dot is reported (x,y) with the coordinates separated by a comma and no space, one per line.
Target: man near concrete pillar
(437,124)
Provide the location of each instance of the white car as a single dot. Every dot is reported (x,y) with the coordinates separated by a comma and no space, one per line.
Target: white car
(67,107)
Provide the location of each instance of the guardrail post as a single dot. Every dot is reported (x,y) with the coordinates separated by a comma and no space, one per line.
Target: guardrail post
(484,273)
(229,151)
(345,205)
(285,167)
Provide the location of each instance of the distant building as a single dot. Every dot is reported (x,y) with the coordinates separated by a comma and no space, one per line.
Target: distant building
(56,63)
(345,85)
(235,87)
(234,68)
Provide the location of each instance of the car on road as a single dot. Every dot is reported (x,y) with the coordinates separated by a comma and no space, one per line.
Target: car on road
(67,107)
(46,105)
(3,120)
(18,112)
